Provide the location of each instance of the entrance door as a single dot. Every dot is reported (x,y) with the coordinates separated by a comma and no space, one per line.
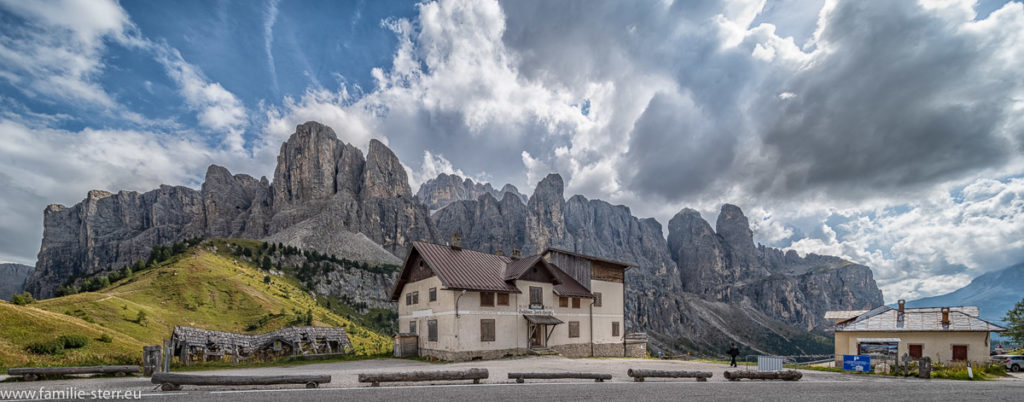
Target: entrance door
(959,352)
(537,337)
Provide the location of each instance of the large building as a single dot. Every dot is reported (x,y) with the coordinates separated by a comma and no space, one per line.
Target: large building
(944,334)
(460,304)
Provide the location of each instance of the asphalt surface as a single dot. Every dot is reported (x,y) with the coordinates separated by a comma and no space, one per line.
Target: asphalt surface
(814,386)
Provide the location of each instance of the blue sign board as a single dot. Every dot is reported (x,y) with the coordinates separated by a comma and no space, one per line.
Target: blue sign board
(856,363)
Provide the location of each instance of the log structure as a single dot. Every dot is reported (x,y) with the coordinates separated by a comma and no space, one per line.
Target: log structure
(786,375)
(174,381)
(475,374)
(33,373)
(639,374)
(195,344)
(522,377)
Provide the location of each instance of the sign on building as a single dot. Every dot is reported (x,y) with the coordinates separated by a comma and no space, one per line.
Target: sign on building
(856,363)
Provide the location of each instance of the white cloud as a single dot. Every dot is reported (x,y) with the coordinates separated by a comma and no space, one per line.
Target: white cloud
(58,54)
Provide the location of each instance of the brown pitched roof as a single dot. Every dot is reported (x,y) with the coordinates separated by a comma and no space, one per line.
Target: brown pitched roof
(466,269)
(460,268)
(624,265)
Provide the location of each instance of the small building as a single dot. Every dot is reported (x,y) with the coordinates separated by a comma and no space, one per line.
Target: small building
(463,304)
(944,334)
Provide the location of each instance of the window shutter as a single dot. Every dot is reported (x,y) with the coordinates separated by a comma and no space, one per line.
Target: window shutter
(536,295)
(487,330)
(408,299)
(432,330)
(575,302)
(502,299)
(597,299)
(574,329)
(433,294)
(615,328)
(486,299)
(563,302)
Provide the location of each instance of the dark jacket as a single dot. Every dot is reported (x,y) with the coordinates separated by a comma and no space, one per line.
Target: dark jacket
(734,352)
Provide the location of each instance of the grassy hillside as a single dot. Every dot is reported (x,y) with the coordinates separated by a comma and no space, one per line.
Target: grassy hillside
(204,287)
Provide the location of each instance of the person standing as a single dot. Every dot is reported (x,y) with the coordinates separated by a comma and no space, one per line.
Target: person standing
(733,351)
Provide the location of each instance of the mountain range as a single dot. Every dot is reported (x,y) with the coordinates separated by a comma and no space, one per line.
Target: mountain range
(995,293)
(694,290)
(12,279)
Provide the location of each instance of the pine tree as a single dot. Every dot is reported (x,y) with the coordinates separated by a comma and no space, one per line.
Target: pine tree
(1015,324)
(266,263)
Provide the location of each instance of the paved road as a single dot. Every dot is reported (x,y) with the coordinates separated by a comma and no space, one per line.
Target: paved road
(814,386)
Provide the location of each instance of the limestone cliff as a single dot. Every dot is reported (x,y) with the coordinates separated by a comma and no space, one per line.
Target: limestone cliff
(12,279)
(445,189)
(324,193)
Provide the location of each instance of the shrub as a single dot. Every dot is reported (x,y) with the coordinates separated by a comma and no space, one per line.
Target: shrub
(51,347)
(141,318)
(105,338)
(73,341)
(22,299)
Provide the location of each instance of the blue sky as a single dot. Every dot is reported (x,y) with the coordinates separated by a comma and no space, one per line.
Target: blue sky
(888,133)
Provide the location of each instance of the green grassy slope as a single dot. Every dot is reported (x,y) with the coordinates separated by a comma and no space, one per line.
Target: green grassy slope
(201,288)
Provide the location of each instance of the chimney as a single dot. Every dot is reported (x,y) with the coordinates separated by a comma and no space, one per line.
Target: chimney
(499,253)
(900,313)
(902,305)
(456,243)
(945,316)
(516,254)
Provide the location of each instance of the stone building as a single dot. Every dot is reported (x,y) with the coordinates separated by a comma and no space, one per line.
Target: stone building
(195,344)
(944,334)
(463,304)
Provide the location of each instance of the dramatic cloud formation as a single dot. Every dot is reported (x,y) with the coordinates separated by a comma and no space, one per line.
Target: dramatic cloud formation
(889,133)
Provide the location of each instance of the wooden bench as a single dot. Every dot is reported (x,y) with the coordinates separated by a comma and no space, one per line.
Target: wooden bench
(475,374)
(33,373)
(174,381)
(522,377)
(785,375)
(639,374)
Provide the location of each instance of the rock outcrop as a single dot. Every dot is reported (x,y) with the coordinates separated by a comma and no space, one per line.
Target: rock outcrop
(445,189)
(12,279)
(325,195)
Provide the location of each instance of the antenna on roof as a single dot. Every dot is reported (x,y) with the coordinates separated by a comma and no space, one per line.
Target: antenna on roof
(516,254)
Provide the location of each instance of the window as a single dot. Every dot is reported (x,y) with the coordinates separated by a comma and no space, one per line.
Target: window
(563,302)
(574,329)
(597,299)
(615,328)
(916,351)
(408,299)
(433,294)
(487,330)
(486,299)
(432,330)
(412,327)
(502,299)
(960,352)
(416,297)
(575,302)
(536,296)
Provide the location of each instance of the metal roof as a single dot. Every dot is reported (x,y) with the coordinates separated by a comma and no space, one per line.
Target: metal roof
(460,268)
(625,265)
(542,319)
(914,319)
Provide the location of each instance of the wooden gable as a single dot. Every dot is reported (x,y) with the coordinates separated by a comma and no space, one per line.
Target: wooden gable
(415,269)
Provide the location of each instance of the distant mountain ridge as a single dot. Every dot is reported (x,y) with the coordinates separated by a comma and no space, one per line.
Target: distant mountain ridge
(12,279)
(695,291)
(445,189)
(995,293)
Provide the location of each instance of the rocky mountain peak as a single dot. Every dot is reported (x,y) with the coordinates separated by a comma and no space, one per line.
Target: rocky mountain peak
(734,228)
(306,165)
(446,188)
(384,176)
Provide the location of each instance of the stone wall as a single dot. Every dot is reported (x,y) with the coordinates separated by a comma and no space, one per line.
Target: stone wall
(470,355)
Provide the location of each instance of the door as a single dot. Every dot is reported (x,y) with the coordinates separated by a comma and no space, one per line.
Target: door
(537,337)
(916,351)
(960,352)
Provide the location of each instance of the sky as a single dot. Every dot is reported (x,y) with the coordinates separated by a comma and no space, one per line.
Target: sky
(890,133)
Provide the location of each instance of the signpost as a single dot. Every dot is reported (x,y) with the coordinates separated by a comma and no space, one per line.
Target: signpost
(856,363)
